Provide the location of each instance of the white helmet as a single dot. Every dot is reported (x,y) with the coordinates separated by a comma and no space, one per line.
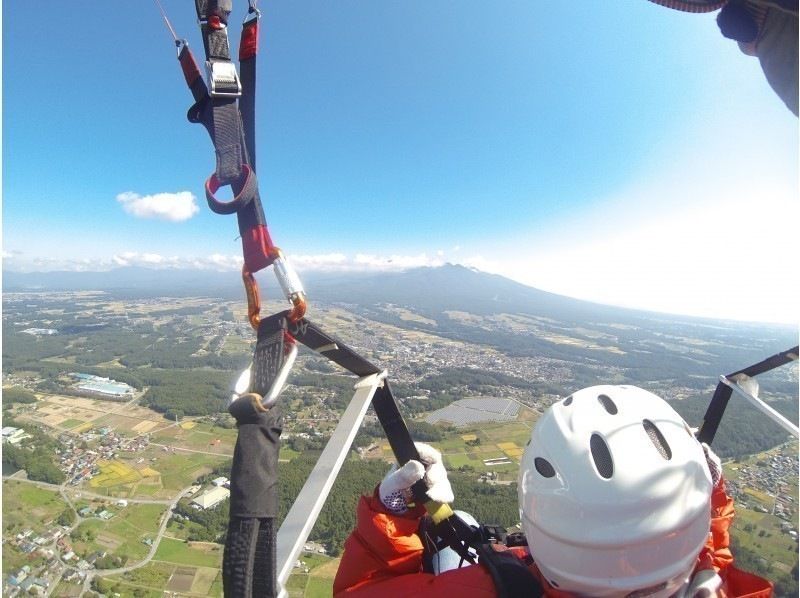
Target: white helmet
(614,494)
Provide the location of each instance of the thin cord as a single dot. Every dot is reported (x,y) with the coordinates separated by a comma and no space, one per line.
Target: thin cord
(166,20)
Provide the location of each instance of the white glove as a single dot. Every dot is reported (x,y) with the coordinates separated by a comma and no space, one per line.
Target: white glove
(395,489)
(714,464)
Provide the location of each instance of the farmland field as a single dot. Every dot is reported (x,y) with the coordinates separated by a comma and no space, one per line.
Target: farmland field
(192,553)
(123,534)
(200,437)
(26,505)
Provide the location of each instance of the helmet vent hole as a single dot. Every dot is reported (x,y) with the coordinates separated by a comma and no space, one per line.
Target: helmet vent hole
(553,583)
(543,467)
(657,438)
(568,401)
(607,404)
(601,456)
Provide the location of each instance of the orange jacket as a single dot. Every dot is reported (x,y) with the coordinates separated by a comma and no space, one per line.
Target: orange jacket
(383,558)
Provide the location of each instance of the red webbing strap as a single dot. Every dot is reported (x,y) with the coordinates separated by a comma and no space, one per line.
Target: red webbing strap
(191,74)
(257,248)
(248,46)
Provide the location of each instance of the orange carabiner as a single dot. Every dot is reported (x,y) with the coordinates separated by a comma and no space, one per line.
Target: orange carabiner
(289,282)
(253,297)
(298,307)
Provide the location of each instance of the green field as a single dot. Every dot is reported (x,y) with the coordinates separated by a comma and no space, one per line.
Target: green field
(181,469)
(181,529)
(27,505)
(457,453)
(147,490)
(318,582)
(216,587)
(762,532)
(201,437)
(121,535)
(67,590)
(176,470)
(117,587)
(182,553)
(153,575)
(158,577)
(287,454)
(318,587)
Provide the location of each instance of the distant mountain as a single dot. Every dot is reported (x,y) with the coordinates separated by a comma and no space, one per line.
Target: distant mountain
(136,280)
(430,291)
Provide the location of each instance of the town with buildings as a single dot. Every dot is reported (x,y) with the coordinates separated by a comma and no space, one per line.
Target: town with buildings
(774,476)
(127,467)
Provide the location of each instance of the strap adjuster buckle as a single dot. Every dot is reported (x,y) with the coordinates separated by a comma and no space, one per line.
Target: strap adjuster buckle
(223,80)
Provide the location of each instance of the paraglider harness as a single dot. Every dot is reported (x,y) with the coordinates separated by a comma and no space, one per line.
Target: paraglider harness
(225,106)
(511,575)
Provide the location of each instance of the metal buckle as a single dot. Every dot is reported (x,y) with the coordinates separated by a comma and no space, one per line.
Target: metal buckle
(253,14)
(242,385)
(180,44)
(223,79)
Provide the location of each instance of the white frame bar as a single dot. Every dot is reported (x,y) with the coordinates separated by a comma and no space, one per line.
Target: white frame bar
(303,515)
(762,406)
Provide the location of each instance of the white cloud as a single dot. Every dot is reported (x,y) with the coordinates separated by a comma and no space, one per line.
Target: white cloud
(325,261)
(48,264)
(395,262)
(719,260)
(334,262)
(225,262)
(484,264)
(160,262)
(175,207)
(361,262)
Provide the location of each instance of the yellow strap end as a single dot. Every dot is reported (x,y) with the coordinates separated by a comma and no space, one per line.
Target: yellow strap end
(438,511)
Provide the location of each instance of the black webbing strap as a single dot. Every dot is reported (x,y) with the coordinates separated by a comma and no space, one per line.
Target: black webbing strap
(314,338)
(226,108)
(213,18)
(723,392)
(250,541)
(219,114)
(248,568)
(512,577)
(453,530)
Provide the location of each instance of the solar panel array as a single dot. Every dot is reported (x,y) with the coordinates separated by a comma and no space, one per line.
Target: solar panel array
(473,411)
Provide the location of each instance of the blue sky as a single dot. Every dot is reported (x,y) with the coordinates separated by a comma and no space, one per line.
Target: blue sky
(619,152)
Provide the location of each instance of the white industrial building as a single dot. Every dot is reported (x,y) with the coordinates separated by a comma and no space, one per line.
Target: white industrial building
(211,498)
(13,435)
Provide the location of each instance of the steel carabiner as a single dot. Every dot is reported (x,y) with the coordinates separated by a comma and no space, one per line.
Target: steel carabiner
(289,282)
